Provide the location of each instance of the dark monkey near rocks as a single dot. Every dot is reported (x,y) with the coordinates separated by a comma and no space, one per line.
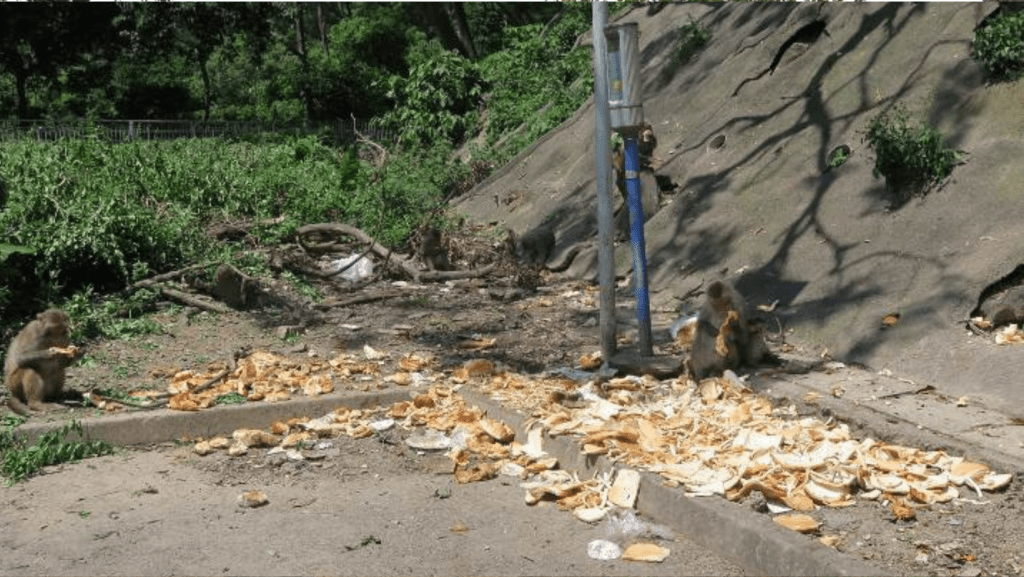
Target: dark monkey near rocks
(36,359)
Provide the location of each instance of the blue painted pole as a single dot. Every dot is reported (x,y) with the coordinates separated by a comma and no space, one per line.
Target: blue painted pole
(636,232)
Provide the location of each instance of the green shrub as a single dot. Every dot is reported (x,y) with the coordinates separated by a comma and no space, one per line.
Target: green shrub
(692,37)
(910,155)
(999,47)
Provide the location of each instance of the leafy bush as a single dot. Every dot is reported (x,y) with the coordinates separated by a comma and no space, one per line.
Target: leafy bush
(433,102)
(910,155)
(1000,47)
(692,37)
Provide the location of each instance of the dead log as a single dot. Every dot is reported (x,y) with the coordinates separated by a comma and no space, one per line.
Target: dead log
(192,301)
(358,299)
(153,280)
(407,266)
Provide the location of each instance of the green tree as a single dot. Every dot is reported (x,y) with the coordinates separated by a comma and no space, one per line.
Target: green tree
(63,46)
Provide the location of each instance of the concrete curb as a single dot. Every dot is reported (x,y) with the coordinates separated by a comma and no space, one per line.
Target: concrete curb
(163,425)
(751,540)
(871,421)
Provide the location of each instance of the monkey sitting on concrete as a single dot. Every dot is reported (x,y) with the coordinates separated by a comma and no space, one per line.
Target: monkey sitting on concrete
(725,338)
(36,359)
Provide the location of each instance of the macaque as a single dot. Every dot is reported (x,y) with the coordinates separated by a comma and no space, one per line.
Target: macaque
(646,145)
(535,247)
(725,339)
(36,359)
(433,251)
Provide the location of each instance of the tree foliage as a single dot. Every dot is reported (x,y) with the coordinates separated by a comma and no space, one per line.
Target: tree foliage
(86,217)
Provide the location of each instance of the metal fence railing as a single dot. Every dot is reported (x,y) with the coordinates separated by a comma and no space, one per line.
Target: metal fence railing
(343,132)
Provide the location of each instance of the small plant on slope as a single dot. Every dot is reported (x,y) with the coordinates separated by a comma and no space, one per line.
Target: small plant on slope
(910,155)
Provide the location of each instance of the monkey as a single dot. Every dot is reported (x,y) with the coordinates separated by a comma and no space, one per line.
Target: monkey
(36,359)
(232,287)
(646,145)
(725,338)
(536,247)
(433,251)
(650,193)
(533,248)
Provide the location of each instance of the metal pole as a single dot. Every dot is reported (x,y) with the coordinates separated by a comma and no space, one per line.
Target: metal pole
(602,149)
(636,233)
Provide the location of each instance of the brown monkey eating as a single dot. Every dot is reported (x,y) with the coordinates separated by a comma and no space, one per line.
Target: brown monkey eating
(724,339)
(36,359)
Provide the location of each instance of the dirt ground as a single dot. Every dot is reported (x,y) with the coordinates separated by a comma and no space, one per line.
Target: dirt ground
(165,510)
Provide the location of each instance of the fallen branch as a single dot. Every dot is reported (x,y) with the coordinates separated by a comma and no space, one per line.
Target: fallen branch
(343,229)
(240,230)
(163,398)
(407,266)
(456,274)
(148,282)
(358,299)
(195,302)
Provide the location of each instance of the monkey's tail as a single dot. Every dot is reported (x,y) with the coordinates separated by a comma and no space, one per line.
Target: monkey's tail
(569,257)
(15,404)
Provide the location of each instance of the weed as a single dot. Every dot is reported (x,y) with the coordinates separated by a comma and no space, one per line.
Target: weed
(230,399)
(999,47)
(111,317)
(838,157)
(692,37)
(50,448)
(910,155)
(302,286)
(419,301)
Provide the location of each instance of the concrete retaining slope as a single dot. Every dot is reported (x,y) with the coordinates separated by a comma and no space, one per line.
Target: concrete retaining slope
(748,150)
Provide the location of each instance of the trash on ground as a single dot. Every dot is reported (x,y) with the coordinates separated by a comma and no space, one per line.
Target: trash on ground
(252,499)
(603,550)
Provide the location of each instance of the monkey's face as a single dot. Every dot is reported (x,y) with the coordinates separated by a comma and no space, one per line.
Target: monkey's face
(55,327)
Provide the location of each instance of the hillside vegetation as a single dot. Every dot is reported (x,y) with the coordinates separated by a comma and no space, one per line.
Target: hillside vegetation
(83,217)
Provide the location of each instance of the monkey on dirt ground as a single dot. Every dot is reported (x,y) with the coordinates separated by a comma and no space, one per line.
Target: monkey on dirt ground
(433,251)
(725,338)
(536,247)
(36,359)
